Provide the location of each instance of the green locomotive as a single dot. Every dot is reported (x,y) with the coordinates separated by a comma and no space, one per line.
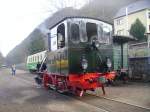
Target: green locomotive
(80,45)
(80,55)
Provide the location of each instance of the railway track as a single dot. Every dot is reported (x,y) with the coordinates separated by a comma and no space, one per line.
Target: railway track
(110,105)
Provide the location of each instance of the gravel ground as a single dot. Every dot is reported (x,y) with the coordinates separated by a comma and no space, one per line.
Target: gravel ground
(17,94)
(20,94)
(132,93)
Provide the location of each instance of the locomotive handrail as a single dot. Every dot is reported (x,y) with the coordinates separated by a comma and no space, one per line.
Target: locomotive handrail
(42,63)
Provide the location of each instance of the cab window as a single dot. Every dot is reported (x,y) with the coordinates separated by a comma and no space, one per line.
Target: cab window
(61,36)
(91,29)
(53,39)
(83,35)
(106,35)
(75,33)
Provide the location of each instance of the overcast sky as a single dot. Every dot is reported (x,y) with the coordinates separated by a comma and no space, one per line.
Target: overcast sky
(19,17)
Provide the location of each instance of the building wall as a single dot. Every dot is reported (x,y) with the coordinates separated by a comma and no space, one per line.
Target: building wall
(139,61)
(138,50)
(127,21)
(120,26)
(117,56)
(148,20)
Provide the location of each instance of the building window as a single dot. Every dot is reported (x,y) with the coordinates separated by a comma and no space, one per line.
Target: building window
(119,21)
(120,32)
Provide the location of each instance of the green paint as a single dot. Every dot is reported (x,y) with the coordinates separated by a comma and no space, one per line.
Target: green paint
(31,66)
(117,56)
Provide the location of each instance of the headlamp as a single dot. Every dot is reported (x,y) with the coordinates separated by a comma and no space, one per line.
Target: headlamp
(84,64)
(96,44)
(109,64)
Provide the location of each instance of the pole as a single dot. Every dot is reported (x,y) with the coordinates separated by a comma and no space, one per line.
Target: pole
(126,20)
(121,55)
(49,42)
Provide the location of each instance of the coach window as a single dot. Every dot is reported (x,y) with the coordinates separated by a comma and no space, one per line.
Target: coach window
(41,57)
(61,36)
(75,34)
(91,29)
(38,58)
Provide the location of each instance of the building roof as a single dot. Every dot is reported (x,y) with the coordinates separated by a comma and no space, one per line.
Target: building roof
(122,39)
(134,7)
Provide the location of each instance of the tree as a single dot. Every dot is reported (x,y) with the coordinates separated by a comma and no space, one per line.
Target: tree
(1,59)
(137,30)
(37,43)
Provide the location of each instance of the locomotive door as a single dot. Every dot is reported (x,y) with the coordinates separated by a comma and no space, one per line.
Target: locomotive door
(60,45)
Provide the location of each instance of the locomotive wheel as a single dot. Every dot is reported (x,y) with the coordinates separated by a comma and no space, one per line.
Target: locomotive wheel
(45,81)
(61,88)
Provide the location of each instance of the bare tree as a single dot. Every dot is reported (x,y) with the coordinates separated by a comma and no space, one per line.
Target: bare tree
(56,5)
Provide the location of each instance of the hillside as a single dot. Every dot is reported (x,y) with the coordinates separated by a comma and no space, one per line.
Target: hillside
(1,59)
(104,10)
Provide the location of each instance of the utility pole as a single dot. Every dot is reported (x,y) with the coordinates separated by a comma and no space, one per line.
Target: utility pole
(127,22)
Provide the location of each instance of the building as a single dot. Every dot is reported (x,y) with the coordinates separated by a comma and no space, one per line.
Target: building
(138,53)
(127,15)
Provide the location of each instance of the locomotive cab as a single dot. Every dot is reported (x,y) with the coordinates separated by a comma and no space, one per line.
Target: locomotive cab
(89,46)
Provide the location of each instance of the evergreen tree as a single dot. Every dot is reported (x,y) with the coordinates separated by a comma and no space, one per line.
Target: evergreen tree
(36,45)
(137,30)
